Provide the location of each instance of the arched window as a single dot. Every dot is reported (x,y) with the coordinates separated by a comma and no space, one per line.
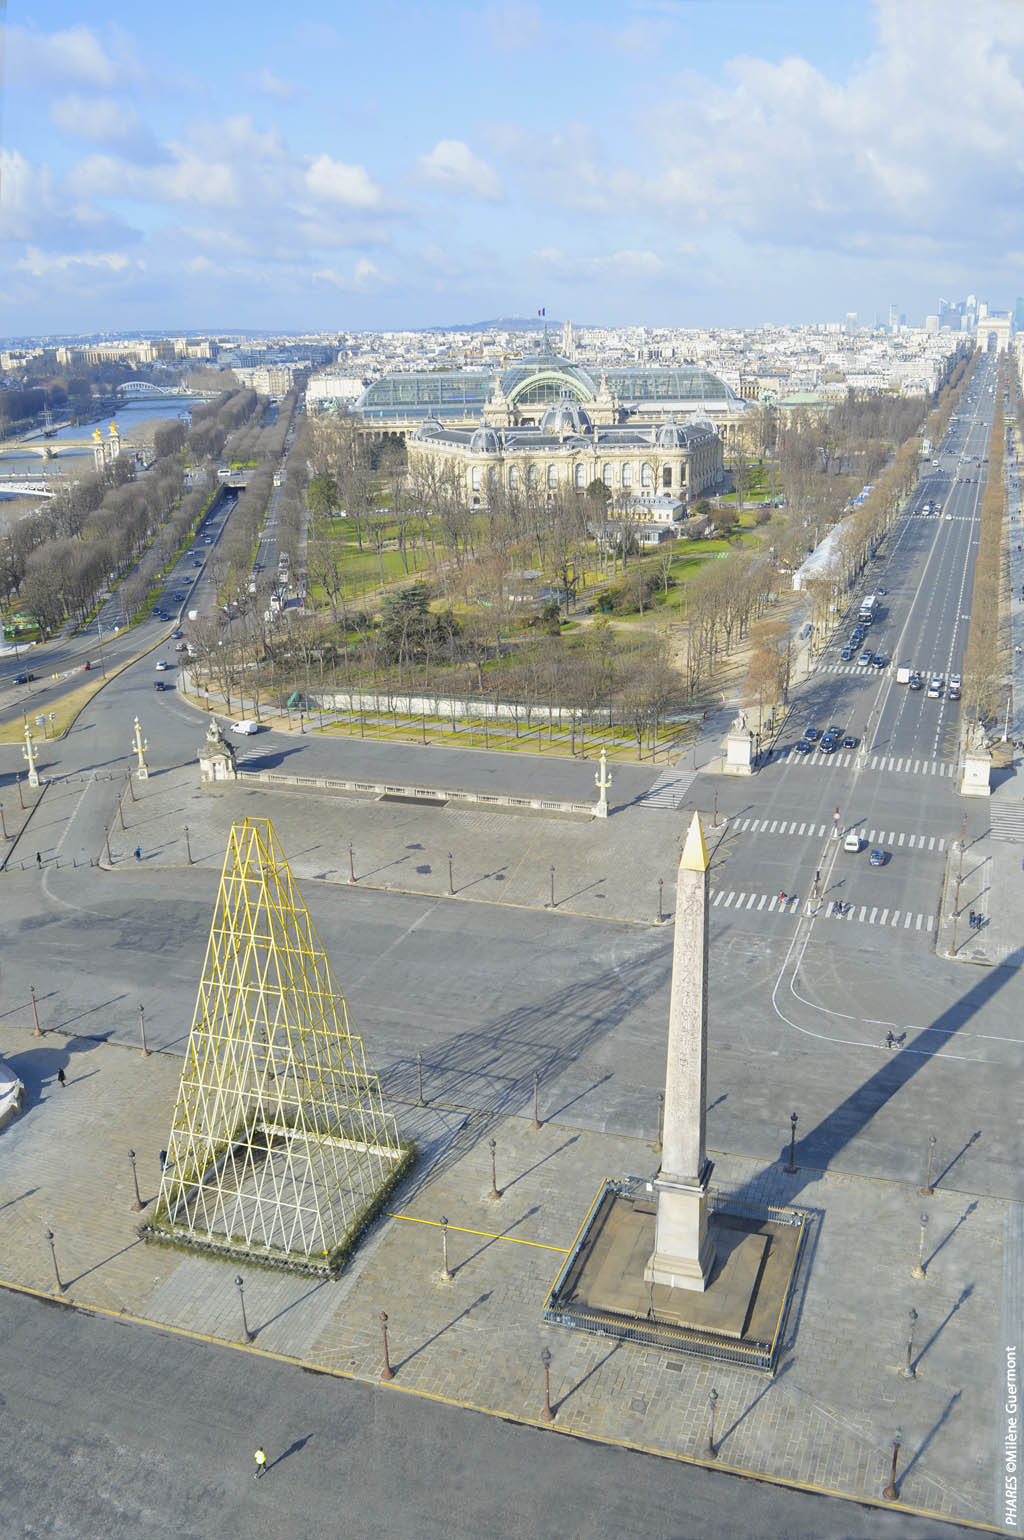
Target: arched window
(666,476)
(476,478)
(580,476)
(513,477)
(606,474)
(627,475)
(645,475)
(552,477)
(532,479)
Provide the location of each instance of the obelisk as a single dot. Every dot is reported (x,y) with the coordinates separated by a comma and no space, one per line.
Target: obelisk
(683,1250)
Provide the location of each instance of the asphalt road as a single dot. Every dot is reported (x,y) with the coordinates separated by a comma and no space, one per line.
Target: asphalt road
(116,1432)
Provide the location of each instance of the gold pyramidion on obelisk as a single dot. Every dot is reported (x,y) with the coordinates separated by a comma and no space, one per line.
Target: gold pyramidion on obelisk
(683,1250)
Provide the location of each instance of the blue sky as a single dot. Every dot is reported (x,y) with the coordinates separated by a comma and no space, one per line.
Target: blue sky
(682,162)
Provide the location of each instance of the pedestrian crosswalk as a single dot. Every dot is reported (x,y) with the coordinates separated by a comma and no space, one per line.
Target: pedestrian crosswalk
(905,764)
(668,790)
(1007,821)
(856,914)
(893,839)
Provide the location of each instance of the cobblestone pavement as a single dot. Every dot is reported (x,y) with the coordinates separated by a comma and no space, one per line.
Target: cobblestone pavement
(826,1420)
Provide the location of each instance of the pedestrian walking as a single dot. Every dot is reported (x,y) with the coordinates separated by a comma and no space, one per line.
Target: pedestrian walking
(890,1041)
(39,859)
(261,1463)
(138,852)
(971,918)
(61,1079)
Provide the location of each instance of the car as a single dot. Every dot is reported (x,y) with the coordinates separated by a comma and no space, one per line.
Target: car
(916,680)
(865,658)
(24,678)
(849,742)
(834,730)
(852,843)
(949,516)
(176,635)
(181,646)
(246,729)
(197,564)
(156,612)
(828,744)
(936,685)
(878,857)
(811,733)
(881,590)
(879,660)
(803,747)
(159,684)
(846,654)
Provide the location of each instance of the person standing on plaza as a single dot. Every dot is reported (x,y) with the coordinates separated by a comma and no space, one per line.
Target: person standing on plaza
(261,1463)
(61,1078)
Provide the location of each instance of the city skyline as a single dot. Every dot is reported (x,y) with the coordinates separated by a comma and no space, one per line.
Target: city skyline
(660,163)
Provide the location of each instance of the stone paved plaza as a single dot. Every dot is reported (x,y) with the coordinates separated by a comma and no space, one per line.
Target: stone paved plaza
(827,1420)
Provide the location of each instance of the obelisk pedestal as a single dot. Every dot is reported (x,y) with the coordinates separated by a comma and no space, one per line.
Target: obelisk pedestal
(684,1253)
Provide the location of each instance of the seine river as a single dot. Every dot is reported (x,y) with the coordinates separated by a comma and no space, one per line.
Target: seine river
(130,418)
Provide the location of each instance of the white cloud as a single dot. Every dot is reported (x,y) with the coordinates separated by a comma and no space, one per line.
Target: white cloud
(72,56)
(273,85)
(365,275)
(102,120)
(338,182)
(627,264)
(43,263)
(452,165)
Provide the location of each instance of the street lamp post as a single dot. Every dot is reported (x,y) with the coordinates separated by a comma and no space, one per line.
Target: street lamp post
(792,1167)
(247,1335)
(547,1414)
(928,1190)
(3,824)
(712,1451)
(131,785)
(106,840)
(351,864)
(188,847)
(419,1081)
(714,823)
(661,907)
(446,1275)
(551,903)
(142,1031)
(891,1492)
(387,1373)
(536,1089)
(37,1030)
(661,1118)
(910,1372)
(919,1270)
(61,1286)
(494,1192)
(138,1205)
(451,885)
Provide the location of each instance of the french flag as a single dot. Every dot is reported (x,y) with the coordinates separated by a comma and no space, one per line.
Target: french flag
(542,312)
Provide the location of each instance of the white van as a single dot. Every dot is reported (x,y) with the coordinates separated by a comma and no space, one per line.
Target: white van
(246,728)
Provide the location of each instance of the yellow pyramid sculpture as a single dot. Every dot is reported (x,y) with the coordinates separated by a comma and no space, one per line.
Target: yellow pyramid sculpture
(280,1149)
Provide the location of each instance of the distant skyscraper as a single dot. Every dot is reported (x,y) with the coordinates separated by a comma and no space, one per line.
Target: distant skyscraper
(894,317)
(568,342)
(851,321)
(931,323)
(1018,315)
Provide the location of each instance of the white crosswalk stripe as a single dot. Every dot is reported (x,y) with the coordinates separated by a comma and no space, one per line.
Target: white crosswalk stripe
(896,837)
(893,919)
(1007,821)
(669,789)
(843,761)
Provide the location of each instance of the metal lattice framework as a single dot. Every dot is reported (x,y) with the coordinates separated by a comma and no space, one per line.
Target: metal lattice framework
(280,1147)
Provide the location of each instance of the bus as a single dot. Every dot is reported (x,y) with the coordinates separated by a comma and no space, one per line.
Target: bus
(868,607)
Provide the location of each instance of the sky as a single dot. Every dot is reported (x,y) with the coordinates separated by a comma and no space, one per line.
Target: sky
(392,165)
